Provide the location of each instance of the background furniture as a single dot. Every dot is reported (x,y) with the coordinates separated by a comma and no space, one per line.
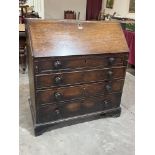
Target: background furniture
(22,47)
(128,26)
(72,76)
(22,1)
(25,12)
(69,14)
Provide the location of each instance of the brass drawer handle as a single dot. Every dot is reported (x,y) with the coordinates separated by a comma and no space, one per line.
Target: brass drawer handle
(58,96)
(110,74)
(111,60)
(57,111)
(108,88)
(58,80)
(106,103)
(57,64)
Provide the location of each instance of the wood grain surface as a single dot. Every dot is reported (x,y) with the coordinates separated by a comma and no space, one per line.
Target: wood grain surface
(75,74)
(63,38)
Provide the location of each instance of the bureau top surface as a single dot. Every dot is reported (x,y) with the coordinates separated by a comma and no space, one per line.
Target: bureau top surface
(66,38)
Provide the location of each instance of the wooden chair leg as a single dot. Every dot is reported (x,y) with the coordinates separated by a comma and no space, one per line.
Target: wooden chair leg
(23,59)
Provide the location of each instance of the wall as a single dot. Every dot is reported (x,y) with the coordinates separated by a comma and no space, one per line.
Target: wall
(121,7)
(30,2)
(54,9)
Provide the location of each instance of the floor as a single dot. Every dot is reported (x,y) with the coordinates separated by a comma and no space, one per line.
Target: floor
(131,70)
(109,136)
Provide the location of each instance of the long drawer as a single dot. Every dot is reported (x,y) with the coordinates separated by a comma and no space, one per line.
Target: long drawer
(79,91)
(56,111)
(57,64)
(78,77)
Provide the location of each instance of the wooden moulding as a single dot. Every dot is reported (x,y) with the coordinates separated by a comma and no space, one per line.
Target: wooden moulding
(43,127)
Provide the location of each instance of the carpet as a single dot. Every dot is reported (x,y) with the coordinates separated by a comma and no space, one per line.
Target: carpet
(110,136)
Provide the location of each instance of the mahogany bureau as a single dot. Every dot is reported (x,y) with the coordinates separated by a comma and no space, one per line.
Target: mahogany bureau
(76,71)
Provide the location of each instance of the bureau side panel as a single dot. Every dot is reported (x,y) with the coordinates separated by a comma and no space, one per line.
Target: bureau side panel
(31,86)
(31,75)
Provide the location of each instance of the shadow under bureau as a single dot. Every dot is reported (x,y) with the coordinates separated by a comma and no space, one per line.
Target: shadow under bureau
(75,74)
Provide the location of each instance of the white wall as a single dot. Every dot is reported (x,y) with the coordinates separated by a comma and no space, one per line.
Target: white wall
(54,9)
(121,7)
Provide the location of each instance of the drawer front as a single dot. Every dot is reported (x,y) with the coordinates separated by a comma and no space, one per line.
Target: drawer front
(53,112)
(46,65)
(78,77)
(90,105)
(79,91)
(48,113)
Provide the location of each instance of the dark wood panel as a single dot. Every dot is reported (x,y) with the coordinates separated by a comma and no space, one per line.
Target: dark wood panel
(59,64)
(31,80)
(53,112)
(74,73)
(90,105)
(42,127)
(80,91)
(79,77)
(63,38)
(48,113)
